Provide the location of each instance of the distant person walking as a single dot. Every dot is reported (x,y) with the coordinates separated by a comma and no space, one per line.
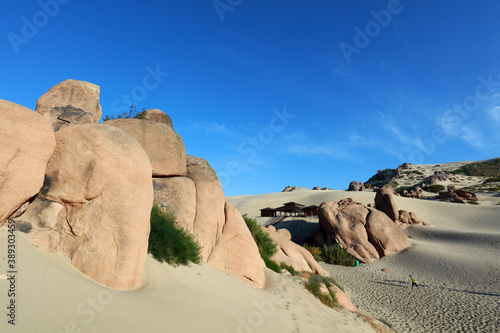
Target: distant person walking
(413,282)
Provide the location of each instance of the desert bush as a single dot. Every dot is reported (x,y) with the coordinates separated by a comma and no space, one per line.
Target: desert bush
(456,172)
(492,180)
(313,285)
(434,188)
(394,184)
(267,247)
(170,243)
(472,202)
(336,255)
(132,113)
(489,168)
(289,268)
(332,254)
(23,226)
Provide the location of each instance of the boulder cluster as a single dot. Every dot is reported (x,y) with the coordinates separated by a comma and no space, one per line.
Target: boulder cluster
(439,177)
(365,232)
(88,188)
(356,186)
(457,195)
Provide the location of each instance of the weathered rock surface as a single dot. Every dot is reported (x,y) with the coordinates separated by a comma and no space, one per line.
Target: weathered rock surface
(439,177)
(236,252)
(293,254)
(363,231)
(27,142)
(385,202)
(457,195)
(210,203)
(356,186)
(345,222)
(177,195)
(163,145)
(102,178)
(384,234)
(415,192)
(70,102)
(156,116)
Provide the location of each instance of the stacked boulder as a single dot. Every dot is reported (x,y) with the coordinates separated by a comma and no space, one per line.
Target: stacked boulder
(364,232)
(384,202)
(457,195)
(356,186)
(88,189)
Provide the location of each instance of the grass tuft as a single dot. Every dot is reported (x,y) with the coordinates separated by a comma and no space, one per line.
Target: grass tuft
(267,247)
(332,254)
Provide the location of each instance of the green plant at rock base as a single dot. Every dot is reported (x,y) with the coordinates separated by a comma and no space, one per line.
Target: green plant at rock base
(473,202)
(267,247)
(434,188)
(169,243)
(289,268)
(492,180)
(313,285)
(332,254)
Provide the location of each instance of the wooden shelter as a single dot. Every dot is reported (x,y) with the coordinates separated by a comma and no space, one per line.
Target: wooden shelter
(311,210)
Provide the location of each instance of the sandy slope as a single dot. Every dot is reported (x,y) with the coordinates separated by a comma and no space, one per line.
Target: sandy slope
(52,296)
(456,262)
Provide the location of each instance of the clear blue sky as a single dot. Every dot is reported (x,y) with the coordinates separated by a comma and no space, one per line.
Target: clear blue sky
(277,93)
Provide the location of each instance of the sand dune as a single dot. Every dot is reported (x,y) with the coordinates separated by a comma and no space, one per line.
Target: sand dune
(52,296)
(456,262)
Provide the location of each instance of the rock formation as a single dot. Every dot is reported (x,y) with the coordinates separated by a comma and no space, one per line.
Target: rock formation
(385,202)
(70,102)
(356,186)
(415,192)
(363,231)
(156,116)
(457,195)
(439,177)
(163,145)
(27,142)
(97,196)
(293,254)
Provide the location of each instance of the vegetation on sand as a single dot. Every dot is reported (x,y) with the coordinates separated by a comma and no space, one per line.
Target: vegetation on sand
(132,113)
(434,188)
(267,247)
(170,243)
(332,254)
(313,285)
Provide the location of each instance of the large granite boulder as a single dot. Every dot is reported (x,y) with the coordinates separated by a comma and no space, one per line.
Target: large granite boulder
(156,116)
(177,195)
(363,231)
(70,102)
(98,196)
(210,204)
(163,145)
(236,252)
(384,234)
(385,202)
(344,222)
(27,142)
(292,254)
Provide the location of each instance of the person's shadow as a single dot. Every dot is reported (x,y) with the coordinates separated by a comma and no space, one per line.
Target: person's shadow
(398,283)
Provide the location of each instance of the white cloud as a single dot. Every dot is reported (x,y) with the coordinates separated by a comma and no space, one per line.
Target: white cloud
(212,128)
(471,134)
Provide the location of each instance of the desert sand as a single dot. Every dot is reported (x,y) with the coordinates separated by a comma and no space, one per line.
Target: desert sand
(456,262)
(53,296)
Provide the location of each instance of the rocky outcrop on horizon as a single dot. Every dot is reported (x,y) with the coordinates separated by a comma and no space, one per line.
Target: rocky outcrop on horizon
(457,195)
(90,195)
(356,186)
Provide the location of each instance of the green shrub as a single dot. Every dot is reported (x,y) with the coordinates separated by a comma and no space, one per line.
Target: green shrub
(169,243)
(492,180)
(332,254)
(394,184)
(289,268)
(456,172)
(336,255)
(313,285)
(473,202)
(434,188)
(489,168)
(267,247)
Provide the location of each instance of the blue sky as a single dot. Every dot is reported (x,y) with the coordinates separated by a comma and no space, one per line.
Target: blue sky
(277,93)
